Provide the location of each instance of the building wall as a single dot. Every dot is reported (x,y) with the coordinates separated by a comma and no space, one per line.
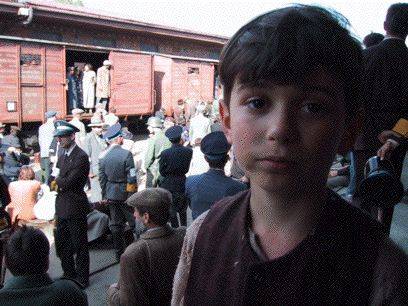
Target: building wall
(108,38)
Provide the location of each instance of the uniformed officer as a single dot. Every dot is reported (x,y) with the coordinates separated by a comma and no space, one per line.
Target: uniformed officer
(156,144)
(205,189)
(117,176)
(71,205)
(174,164)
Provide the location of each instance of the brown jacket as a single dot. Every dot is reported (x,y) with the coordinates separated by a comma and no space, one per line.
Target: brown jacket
(147,268)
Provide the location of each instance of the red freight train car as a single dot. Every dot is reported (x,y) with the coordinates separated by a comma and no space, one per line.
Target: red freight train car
(33,81)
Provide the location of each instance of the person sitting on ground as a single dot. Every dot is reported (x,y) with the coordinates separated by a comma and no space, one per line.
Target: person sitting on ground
(148,265)
(291,80)
(23,194)
(27,258)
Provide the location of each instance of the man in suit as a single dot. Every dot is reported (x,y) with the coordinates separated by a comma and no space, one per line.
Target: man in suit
(205,189)
(71,205)
(94,145)
(45,137)
(117,176)
(385,92)
(174,164)
(155,146)
(27,258)
(148,265)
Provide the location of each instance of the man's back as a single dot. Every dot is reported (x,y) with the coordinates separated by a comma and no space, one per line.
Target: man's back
(147,268)
(45,137)
(205,189)
(174,164)
(116,167)
(385,90)
(39,290)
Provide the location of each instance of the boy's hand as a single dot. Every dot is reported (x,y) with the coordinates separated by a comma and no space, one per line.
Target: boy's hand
(385,135)
(387,148)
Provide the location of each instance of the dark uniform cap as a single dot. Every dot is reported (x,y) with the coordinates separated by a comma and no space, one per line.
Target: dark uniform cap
(113,132)
(63,128)
(174,132)
(215,145)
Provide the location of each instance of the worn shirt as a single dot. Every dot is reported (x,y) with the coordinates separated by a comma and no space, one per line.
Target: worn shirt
(388,266)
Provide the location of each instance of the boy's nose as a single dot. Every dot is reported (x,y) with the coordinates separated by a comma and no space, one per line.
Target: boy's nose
(281,125)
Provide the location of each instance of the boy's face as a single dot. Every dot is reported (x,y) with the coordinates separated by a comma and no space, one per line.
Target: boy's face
(285,136)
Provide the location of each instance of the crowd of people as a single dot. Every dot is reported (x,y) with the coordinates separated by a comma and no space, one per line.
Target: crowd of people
(294,83)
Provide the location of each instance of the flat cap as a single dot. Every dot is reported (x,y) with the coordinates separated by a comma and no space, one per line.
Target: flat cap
(151,197)
(63,128)
(113,132)
(107,63)
(174,132)
(155,122)
(215,145)
(76,111)
(50,114)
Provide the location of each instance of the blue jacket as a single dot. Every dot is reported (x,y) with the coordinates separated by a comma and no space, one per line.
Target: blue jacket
(205,189)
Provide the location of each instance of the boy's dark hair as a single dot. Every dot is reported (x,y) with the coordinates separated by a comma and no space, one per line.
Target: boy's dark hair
(286,45)
(373,39)
(27,252)
(217,163)
(158,215)
(396,21)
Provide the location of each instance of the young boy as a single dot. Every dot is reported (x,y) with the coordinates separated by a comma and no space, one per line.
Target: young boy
(291,93)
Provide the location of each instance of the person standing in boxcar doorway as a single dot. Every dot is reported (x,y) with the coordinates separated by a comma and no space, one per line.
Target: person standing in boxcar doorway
(71,205)
(88,88)
(71,87)
(103,84)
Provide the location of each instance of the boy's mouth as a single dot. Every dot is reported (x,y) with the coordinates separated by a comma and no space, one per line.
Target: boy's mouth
(277,163)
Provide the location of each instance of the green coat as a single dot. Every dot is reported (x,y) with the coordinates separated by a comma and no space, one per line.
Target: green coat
(40,290)
(156,144)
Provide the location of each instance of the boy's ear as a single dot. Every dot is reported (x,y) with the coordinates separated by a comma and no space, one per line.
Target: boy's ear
(225,120)
(351,133)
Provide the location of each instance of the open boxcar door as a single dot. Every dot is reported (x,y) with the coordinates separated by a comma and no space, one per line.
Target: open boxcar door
(132,83)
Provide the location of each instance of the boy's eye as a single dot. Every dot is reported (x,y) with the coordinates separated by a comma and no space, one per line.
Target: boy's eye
(256,103)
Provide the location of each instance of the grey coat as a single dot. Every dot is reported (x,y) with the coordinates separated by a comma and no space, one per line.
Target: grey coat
(116,170)
(94,146)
